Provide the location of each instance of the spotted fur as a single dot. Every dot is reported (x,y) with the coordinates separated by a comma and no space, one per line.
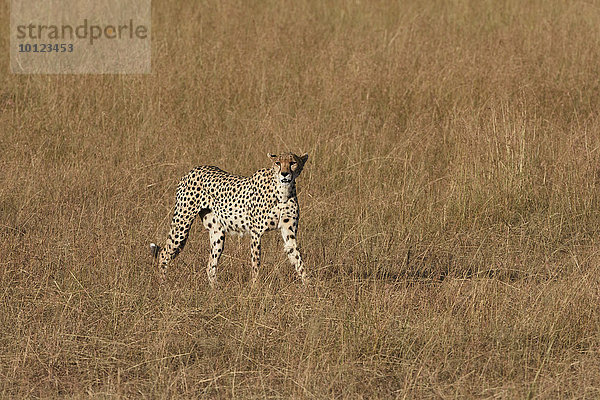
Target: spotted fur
(229,203)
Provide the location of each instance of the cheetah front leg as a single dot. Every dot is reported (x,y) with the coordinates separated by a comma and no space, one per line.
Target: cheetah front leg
(288,232)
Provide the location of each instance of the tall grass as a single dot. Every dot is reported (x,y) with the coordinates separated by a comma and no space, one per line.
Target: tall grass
(450,207)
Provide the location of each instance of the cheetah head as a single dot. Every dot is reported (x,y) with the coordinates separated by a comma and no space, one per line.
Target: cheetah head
(287,166)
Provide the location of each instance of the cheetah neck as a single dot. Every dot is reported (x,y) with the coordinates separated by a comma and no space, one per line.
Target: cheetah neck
(284,192)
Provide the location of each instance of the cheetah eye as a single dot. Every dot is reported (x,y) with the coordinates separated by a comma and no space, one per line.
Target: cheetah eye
(277,163)
(292,162)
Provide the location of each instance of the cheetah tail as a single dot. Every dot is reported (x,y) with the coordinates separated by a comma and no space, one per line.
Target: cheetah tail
(155,249)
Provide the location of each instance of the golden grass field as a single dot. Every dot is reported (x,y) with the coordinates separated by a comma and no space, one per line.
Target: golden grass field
(450,207)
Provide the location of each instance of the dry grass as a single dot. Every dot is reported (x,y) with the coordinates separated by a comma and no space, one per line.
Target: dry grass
(450,208)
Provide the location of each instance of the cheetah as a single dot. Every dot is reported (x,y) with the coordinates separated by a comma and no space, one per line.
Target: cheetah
(235,204)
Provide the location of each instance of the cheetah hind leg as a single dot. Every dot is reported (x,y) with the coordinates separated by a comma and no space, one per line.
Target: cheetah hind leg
(217,242)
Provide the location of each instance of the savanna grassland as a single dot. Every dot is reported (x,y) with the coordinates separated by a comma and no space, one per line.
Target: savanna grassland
(450,206)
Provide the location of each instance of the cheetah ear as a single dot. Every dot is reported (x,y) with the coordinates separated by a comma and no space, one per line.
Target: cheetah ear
(304,158)
(271,156)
